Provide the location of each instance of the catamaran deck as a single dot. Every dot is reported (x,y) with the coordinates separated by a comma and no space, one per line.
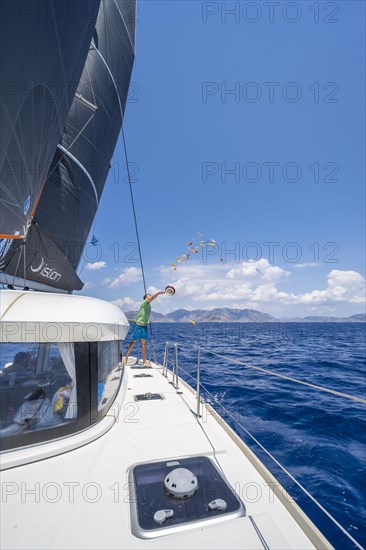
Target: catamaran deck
(81,498)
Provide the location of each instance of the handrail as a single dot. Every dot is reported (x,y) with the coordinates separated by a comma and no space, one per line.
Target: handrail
(176,367)
(165,360)
(198,415)
(198,407)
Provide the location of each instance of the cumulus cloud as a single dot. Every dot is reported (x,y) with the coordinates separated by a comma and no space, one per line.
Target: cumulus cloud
(343,286)
(255,270)
(126,277)
(256,283)
(126,304)
(88,284)
(94,266)
(306,265)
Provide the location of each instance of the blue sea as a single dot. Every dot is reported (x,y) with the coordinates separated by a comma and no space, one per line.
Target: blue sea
(319,437)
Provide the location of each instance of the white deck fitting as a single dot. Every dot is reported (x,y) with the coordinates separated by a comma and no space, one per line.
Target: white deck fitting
(144,431)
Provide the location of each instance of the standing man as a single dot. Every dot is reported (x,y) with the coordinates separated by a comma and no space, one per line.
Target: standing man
(140,331)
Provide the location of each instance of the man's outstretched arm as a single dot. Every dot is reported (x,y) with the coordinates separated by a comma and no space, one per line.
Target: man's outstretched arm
(155,295)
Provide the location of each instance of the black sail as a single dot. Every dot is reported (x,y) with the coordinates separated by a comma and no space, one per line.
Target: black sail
(43,47)
(80,167)
(78,171)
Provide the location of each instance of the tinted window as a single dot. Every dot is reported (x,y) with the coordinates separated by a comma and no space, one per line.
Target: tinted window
(38,387)
(109,372)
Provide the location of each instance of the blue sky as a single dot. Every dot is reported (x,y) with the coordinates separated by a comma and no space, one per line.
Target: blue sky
(245,122)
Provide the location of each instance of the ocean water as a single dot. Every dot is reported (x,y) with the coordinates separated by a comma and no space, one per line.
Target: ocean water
(320,438)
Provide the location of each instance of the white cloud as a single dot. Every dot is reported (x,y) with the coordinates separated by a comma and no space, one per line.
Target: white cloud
(93,266)
(306,265)
(261,269)
(88,284)
(126,304)
(343,286)
(254,284)
(128,276)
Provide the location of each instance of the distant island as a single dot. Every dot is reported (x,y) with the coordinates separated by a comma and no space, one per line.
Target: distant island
(229,315)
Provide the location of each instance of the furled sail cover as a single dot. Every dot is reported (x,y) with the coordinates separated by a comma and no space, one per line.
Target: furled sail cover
(79,169)
(43,47)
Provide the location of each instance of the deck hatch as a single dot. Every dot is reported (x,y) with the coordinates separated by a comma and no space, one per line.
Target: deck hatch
(148,396)
(143,375)
(155,512)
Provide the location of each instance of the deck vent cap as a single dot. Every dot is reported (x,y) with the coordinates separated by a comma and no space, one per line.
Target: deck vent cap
(181,483)
(217,504)
(161,515)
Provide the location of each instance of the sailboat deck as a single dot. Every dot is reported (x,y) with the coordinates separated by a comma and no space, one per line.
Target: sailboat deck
(81,499)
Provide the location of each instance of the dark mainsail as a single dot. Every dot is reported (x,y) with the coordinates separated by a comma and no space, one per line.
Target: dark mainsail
(81,161)
(43,47)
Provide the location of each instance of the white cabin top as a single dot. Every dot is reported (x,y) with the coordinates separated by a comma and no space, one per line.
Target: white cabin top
(27,316)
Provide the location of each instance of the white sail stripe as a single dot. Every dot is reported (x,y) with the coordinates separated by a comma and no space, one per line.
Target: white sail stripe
(124,22)
(111,75)
(74,159)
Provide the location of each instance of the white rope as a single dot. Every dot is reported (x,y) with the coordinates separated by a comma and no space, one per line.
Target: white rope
(302,382)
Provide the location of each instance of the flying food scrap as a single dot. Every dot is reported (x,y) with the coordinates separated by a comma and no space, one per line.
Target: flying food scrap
(193,248)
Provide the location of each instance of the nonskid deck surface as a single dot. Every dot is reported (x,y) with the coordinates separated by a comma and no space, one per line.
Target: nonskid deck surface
(82,498)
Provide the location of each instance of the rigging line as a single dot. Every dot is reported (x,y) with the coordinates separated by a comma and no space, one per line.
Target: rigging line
(302,382)
(279,464)
(18,262)
(133,208)
(328,514)
(136,230)
(24,263)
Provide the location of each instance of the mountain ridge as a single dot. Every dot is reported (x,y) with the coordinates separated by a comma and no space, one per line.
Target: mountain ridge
(233,315)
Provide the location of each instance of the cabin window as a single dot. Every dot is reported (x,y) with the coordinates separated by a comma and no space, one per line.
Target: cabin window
(38,389)
(109,372)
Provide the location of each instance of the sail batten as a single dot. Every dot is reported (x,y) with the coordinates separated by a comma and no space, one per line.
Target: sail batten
(71,156)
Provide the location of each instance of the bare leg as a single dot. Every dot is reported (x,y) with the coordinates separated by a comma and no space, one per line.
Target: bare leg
(129,349)
(143,346)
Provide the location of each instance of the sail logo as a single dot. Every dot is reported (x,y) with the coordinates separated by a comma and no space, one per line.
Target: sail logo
(26,205)
(46,271)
